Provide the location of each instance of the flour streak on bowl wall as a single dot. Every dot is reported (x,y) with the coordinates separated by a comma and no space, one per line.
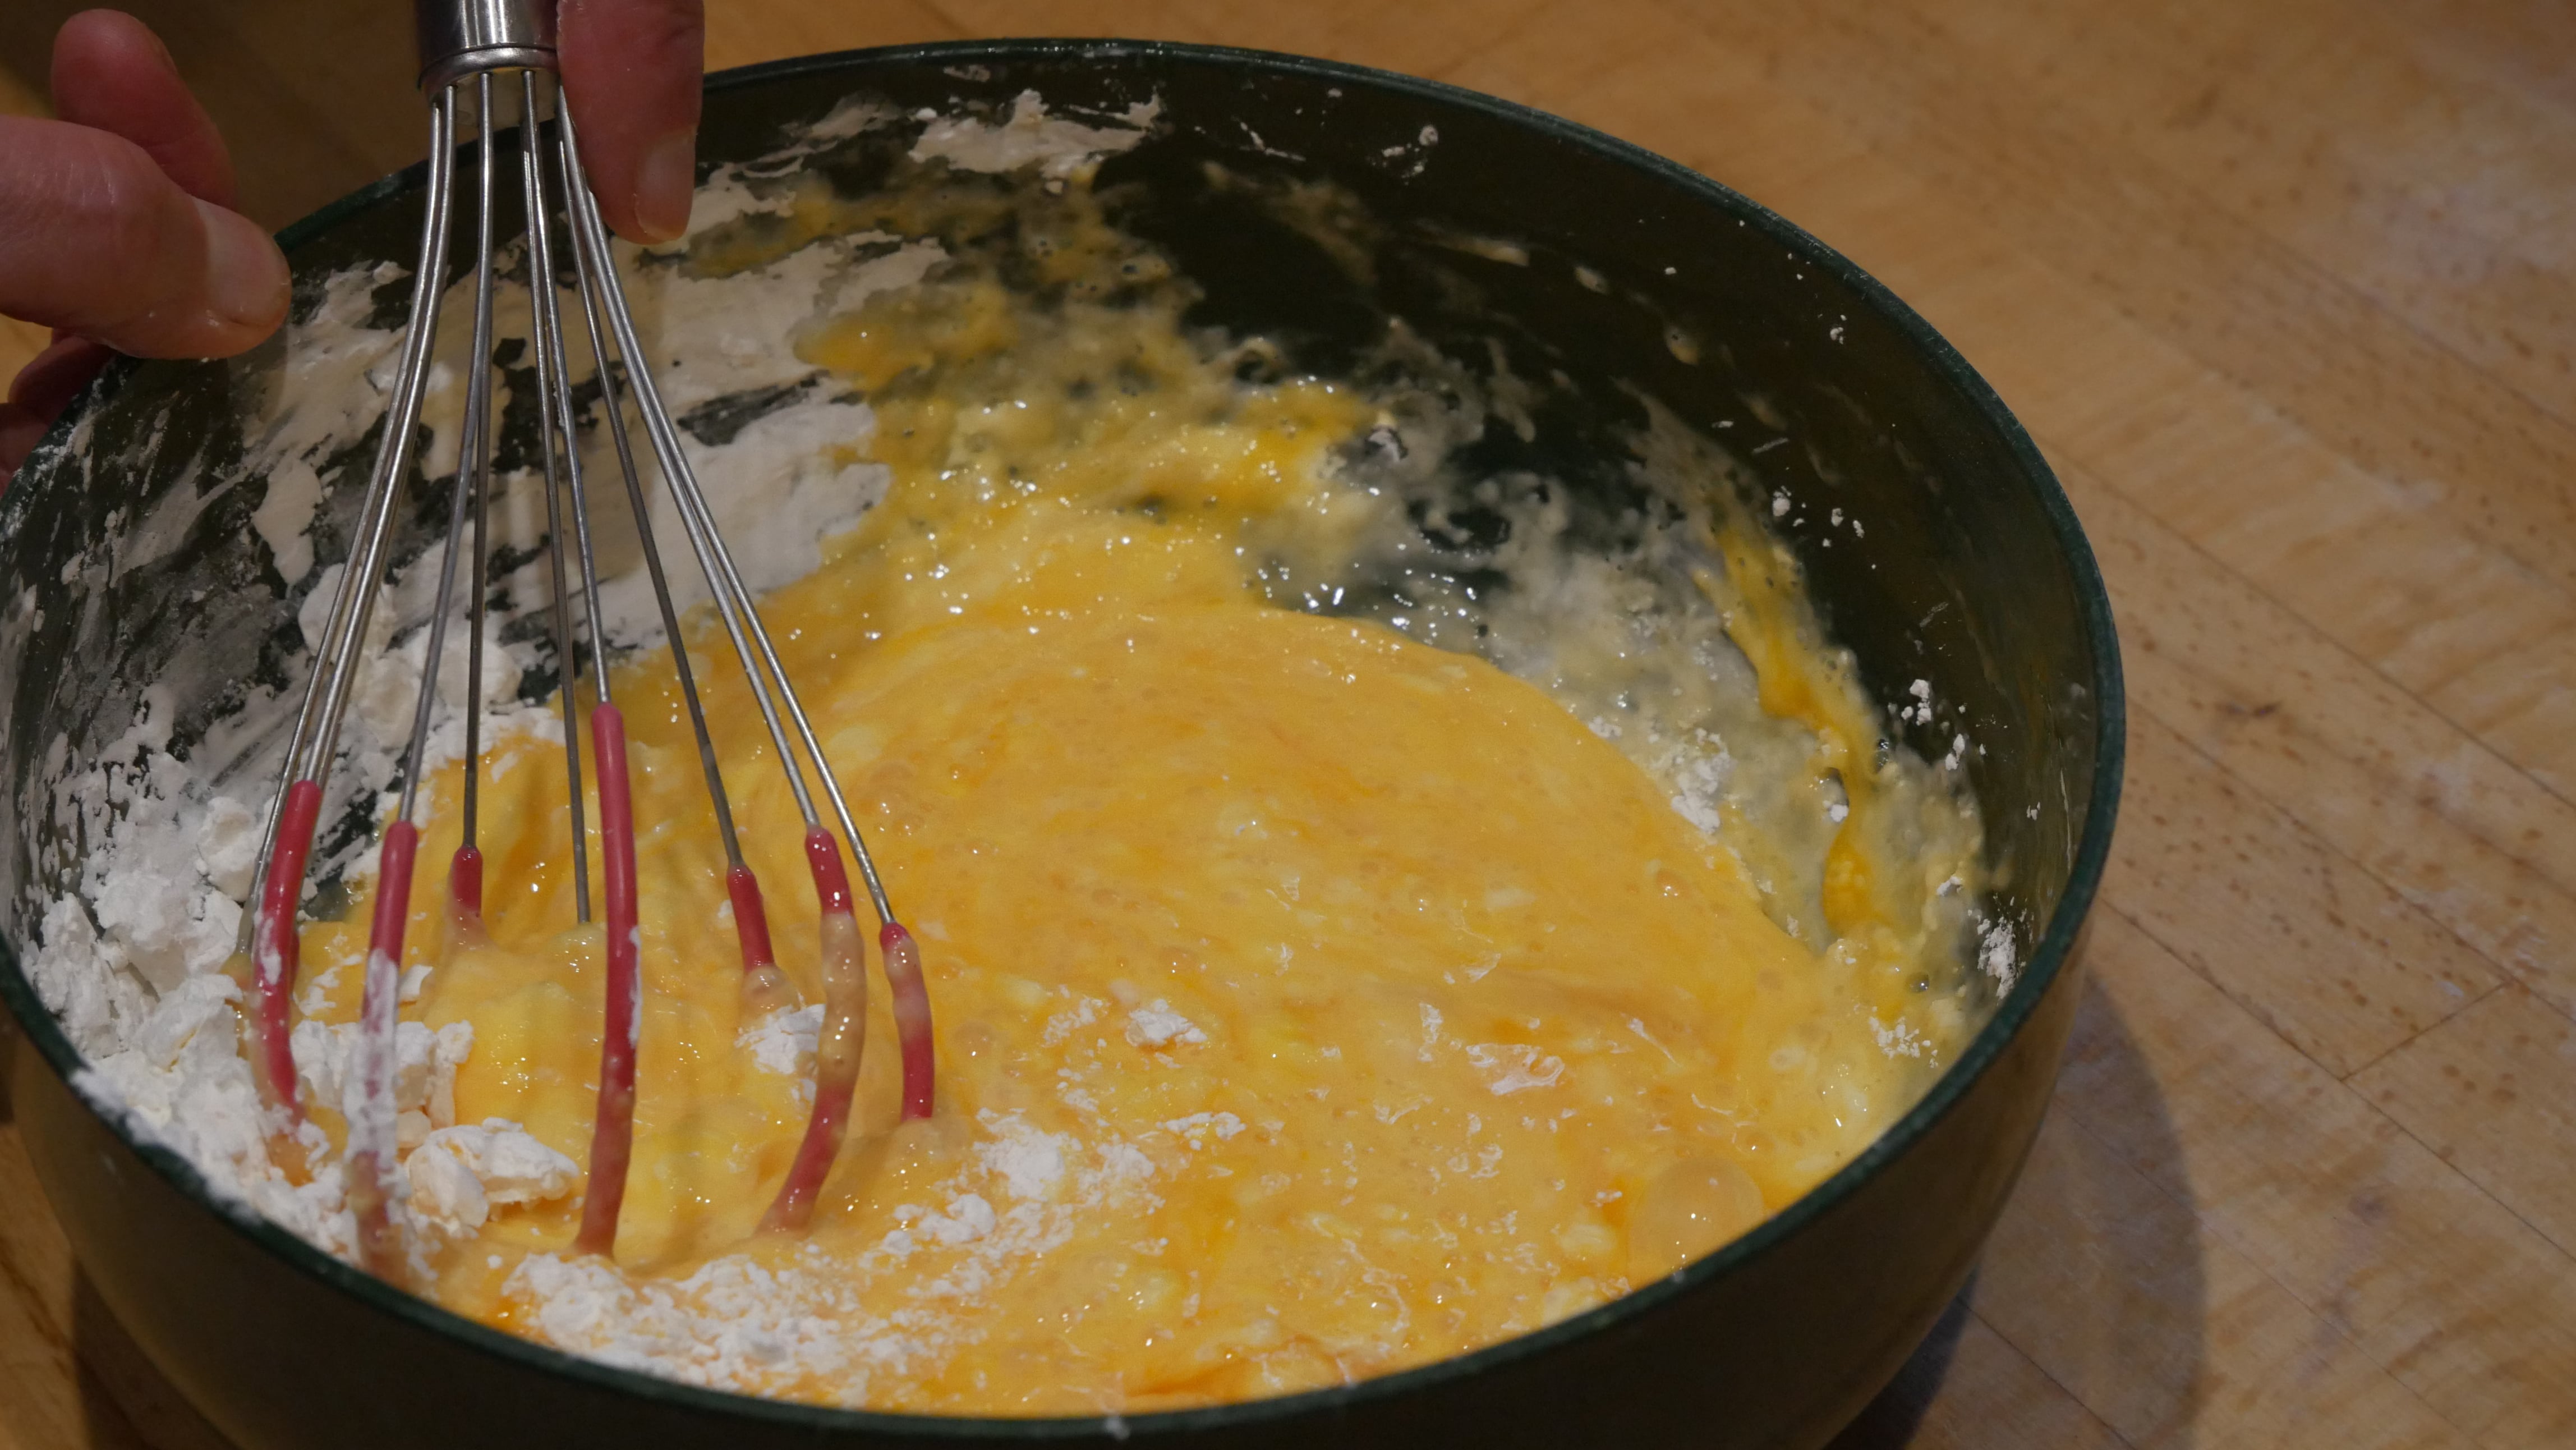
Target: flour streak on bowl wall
(1528,306)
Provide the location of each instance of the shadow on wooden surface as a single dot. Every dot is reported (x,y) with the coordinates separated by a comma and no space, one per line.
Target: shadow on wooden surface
(2094,1266)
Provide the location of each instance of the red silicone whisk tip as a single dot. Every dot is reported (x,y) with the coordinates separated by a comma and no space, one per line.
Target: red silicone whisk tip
(613,1130)
(372,1135)
(831,881)
(750,919)
(393,891)
(465,881)
(911,1019)
(275,948)
(765,989)
(839,1043)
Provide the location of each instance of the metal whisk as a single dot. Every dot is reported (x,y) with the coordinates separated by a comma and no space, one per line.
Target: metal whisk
(473,52)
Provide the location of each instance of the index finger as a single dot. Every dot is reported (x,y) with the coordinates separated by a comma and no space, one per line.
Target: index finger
(112,73)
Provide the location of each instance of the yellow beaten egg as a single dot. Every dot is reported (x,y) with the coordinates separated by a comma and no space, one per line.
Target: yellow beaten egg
(1311,1001)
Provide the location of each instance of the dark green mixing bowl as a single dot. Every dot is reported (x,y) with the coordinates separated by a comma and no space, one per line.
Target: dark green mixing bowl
(1973,575)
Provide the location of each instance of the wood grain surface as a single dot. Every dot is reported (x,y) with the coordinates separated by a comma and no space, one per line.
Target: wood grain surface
(2287,292)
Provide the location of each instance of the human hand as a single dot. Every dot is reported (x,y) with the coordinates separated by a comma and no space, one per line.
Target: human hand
(116,227)
(115,221)
(631,71)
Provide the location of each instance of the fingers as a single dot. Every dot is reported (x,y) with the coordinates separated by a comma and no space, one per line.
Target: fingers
(112,73)
(96,239)
(44,388)
(113,222)
(631,70)
(114,227)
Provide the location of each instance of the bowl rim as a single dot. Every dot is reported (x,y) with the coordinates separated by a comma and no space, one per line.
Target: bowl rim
(2047,960)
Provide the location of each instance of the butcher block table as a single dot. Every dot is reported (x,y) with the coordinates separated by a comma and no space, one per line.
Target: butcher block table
(2287,293)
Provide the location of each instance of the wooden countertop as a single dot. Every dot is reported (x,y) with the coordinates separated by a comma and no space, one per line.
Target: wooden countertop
(2287,292)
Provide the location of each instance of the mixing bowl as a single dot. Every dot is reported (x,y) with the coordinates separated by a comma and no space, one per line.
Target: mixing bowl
(1579,255)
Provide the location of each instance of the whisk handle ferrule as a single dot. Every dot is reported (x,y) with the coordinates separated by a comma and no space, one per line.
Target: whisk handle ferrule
(459,38)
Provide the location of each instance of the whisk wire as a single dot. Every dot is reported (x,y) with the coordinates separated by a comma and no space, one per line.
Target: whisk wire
(554,411)
(465,878)
(270,941)
(764,987)
(373,1064)
(546,307)
(612,404)
(724,581)
(551,173)
(842,954)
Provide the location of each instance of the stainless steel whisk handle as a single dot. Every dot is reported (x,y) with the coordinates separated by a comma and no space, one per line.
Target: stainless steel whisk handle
(459,38)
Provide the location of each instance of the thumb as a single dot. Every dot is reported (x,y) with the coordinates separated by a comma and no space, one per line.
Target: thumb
(631,74)
(96,239)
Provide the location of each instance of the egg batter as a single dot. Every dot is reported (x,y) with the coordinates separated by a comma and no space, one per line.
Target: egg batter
(1311,1001)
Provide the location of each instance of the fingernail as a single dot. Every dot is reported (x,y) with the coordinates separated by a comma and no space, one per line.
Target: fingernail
(246,278)
(665,184)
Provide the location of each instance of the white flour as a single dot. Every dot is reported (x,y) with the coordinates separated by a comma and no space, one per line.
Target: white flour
(458,1172)
(738,1324)
(783,1042)
(130,964)
(1157,1025)
(1029,136)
